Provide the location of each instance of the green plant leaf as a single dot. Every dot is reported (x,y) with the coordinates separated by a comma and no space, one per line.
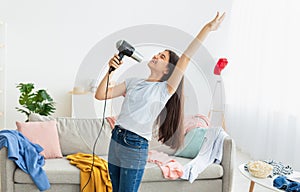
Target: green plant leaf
(23,111)
(43,94)
(25,88)
(35,102)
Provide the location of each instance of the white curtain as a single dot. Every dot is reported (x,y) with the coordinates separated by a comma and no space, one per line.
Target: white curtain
(262,79)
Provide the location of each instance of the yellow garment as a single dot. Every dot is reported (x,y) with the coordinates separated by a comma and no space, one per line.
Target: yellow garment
(100,180)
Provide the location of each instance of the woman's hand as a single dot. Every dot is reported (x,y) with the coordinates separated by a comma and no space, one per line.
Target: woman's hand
(215,23)
(110,92)
(115,62)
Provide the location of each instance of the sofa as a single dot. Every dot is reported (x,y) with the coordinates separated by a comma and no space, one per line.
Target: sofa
(78,135)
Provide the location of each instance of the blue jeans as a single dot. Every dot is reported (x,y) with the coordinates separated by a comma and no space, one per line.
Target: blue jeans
(127,158)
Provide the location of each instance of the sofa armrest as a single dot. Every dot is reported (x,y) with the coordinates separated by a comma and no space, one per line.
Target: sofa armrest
(7,168)
(228,163)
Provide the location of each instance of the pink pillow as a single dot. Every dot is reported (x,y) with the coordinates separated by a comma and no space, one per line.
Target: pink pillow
(195,121)
(43,133)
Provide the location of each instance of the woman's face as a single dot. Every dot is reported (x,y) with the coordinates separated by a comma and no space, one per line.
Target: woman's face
(159,62)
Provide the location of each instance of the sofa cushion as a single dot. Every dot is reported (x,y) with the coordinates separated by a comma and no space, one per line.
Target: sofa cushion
(154,144)
(61,171)
(57,170)
(194,121)
(193,141)
(38,117)
(44,134)
(79,135)
(153,172)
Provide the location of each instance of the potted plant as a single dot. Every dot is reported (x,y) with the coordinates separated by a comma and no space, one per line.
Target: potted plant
(39,101)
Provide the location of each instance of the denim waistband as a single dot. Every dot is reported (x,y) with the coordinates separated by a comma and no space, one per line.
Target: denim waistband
(125,132)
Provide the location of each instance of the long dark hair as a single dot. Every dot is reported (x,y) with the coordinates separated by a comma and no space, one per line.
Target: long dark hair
(170,120)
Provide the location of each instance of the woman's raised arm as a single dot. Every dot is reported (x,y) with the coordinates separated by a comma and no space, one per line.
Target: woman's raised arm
(183,61)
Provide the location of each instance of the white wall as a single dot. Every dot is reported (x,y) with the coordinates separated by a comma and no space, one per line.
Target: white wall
(47,40)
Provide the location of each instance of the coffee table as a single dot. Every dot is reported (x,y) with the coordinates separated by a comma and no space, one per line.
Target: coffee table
(267,182)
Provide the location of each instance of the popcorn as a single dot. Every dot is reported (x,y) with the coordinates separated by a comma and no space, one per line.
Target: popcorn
(260,169)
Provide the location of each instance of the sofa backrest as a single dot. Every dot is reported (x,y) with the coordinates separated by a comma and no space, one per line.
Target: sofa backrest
(80,134)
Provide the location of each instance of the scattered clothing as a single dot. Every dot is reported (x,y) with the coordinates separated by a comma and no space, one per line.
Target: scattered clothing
(98,180)
(26,156)
(171,168)
(281,182)
(279,168)
(210,152)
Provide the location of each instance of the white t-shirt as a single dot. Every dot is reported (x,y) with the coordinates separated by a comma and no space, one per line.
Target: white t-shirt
(143,102)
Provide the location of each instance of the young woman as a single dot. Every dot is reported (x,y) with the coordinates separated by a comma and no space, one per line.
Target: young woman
(155,101)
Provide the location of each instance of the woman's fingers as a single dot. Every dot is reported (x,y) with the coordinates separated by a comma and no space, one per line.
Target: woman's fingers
(220,19)
(114,65)
(214,24)
(216,16)
(116,59)
(115,62)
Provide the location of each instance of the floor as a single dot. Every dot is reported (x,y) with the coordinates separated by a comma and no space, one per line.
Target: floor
(241,183)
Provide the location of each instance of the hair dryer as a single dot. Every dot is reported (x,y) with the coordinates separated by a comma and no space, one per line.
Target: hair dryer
(126,49)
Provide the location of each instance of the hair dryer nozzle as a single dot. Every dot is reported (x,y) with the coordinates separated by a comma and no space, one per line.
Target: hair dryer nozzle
(137,56)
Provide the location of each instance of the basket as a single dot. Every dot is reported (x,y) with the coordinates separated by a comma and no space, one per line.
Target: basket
(259,169)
